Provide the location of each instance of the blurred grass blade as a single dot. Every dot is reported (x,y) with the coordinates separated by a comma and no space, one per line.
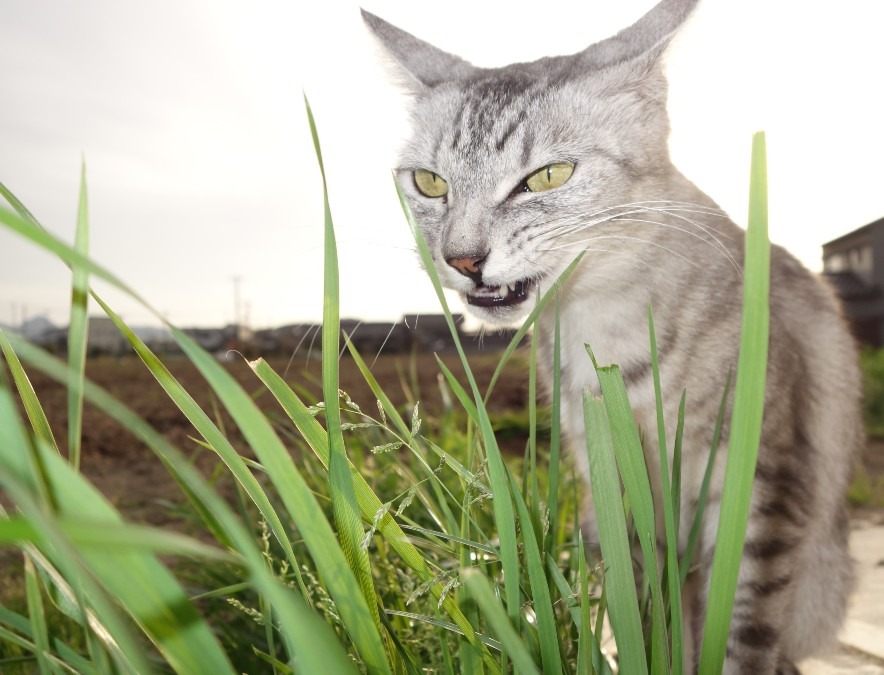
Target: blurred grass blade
(311,642)
(343,497)
(607,498)
(105,534)
(216,440)
(18,485)
(17,205)
(29,229)
(78,329)
(137,580)
(35,413)
(38,618)
(510,640)
(746,422)
(17,632)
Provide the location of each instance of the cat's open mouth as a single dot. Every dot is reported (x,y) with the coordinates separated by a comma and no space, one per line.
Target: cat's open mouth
(500,296)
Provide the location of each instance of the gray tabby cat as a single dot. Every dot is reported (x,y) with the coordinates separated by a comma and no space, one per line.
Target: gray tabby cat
(512,171)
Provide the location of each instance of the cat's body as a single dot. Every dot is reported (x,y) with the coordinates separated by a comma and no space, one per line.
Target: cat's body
(511,172)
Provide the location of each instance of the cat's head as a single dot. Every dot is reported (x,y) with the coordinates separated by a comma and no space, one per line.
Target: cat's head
(508,168)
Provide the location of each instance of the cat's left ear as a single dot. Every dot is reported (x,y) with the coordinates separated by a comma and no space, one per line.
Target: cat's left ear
(644,40)
(423,64)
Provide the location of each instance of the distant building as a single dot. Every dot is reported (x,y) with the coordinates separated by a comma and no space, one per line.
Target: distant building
(210,339)
(854,264)
(103,337)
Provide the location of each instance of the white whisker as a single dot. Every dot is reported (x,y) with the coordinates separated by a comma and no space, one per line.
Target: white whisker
(627,238)
(721,248)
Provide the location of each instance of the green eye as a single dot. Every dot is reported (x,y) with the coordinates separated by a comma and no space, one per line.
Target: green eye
(549,177)
(430,184)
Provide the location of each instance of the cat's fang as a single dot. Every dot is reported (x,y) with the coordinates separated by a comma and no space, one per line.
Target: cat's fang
(499,296)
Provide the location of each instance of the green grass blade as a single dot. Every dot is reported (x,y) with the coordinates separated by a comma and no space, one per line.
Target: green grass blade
(28,229)
(585,651)
(215,439)
(78,329)
(530,473)
(670,504)
(109,535)
(445,625)
(676,464)
(368,501)
(502,503)
(344,506)
(510,640)
(18,633)
(30,469)
(588,646)
(746,421)
(310,641)
(33,409)
(38,618)
(542,600)
(19,488)
(619,577)
(530,320)
(633,470)
(697,525)
(552,497)
(298,499)
(17,205)
(137,579)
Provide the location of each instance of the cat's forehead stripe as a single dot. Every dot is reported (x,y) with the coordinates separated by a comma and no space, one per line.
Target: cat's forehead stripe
(489,114)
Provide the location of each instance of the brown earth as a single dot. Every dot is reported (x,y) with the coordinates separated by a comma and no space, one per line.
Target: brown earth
(130,475)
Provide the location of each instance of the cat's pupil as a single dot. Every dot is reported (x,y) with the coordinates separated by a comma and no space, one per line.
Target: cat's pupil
(548,177)
(430,183)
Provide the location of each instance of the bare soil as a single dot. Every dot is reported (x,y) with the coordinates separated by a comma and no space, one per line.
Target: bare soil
(128,473)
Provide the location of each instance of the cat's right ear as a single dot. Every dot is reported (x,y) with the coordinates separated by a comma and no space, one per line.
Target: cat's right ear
(422,64)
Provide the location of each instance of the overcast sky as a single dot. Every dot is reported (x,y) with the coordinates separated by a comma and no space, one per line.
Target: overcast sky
(200,167)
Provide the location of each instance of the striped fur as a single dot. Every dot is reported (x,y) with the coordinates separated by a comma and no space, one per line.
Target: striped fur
(649,235)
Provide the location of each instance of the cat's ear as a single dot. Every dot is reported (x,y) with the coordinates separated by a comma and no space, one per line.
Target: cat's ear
(423,64)
(646,39)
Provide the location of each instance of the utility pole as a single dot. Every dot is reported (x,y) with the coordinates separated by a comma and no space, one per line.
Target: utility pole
(237,316)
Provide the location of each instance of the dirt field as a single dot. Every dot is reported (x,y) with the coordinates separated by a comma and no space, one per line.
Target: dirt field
(128,473)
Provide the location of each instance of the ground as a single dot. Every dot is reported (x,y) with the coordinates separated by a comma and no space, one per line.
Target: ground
(129,474)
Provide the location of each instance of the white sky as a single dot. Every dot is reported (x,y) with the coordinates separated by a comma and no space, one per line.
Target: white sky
(200,166)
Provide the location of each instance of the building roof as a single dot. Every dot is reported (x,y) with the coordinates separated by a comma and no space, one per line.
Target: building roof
(860,230)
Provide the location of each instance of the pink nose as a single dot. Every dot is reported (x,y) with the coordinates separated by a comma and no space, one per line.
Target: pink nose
(466,266)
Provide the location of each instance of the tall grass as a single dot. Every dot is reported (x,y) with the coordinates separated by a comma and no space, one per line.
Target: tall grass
(378,542)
